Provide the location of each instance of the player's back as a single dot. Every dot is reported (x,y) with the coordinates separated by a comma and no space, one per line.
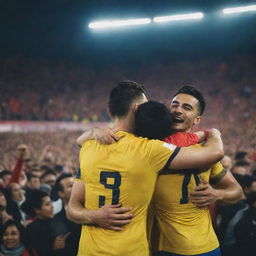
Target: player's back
(184,228)
(124,172)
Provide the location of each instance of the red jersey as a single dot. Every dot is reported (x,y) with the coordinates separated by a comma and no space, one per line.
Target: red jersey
(182,139)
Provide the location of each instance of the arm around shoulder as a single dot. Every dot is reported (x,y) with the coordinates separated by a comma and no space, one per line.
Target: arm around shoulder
(199,157)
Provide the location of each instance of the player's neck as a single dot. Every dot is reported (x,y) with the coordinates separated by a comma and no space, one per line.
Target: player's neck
(124,124)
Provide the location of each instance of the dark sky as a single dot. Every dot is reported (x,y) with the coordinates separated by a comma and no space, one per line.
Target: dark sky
(58,29)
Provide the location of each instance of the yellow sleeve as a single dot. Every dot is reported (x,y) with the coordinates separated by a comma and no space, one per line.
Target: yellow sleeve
(217,173)
(162,154)
(80,171)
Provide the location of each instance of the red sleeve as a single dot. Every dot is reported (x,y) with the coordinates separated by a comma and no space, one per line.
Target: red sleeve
(16,171)
(182,139)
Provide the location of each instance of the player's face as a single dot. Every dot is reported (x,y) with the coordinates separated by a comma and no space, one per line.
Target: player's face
(185,110)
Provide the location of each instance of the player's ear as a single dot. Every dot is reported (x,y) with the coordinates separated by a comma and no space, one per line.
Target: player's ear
(109,113)
(134,107)
(197,120)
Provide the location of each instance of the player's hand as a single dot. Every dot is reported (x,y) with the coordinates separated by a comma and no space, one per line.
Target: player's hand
(104,136)
(214,132)
(201,136)
(113,217)
(204,195)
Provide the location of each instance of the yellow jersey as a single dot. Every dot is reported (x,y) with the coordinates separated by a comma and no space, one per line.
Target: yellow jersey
(124,172)
(184,228)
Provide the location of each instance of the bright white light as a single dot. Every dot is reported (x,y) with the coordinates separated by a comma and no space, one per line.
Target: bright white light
(248,8)
(190,16)
(118,23)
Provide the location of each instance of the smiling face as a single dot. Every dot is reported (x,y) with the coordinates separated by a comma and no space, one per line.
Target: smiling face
(11,237)
(185,111)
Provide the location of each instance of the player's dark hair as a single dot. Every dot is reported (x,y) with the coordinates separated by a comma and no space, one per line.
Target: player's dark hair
(58,187)
(122,96)
(195,93)
(153,120)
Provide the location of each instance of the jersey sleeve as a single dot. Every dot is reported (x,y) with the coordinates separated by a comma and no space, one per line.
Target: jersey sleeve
(80,171)
(217,173)
(162,154)
(182,139)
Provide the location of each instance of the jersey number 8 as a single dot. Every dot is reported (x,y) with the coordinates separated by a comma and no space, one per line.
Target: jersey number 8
(104,175)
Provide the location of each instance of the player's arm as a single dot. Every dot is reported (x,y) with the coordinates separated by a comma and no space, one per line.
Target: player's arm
(109,216)
(198,157)
(227,190)
(102,135)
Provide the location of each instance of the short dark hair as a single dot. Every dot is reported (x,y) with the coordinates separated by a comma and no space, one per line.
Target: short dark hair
(247,181)
(5,172)
(251,198)
(122,96)
(49,172)
(58,187)
(195,93)
(34,202)
(153,120)
(30,176)
(240,155)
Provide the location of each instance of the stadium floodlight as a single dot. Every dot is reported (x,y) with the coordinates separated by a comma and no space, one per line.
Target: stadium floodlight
(178,17)
(118,23)
(249,8)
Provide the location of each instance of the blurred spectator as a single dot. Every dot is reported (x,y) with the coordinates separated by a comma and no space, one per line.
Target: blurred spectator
(15,198)
(33,182)
(242,157)
(13,241)
(49,178)
(245,229)
(4,216)
(239,168)
(40,233)
(61,224)
(231,214)
(5,175)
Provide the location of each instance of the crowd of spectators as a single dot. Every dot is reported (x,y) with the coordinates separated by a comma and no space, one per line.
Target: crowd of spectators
(33,202)
(62,91)
(37,169)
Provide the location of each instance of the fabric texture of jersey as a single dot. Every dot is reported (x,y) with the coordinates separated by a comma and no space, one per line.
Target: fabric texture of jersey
(182,139)
(124,172)
(184,228)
